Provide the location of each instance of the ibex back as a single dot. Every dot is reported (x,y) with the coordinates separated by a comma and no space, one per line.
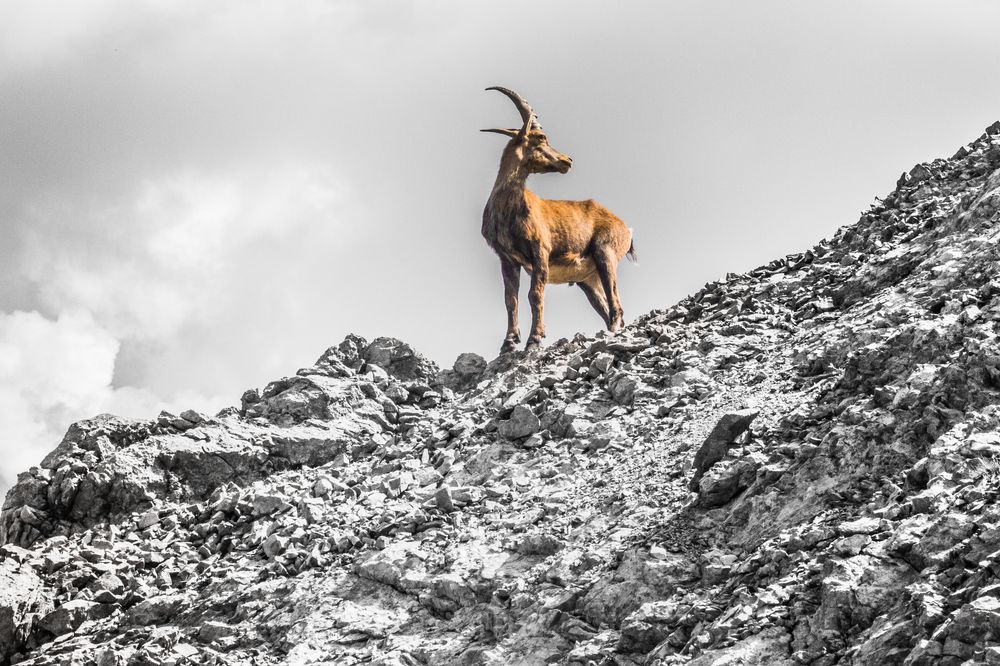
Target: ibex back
(555,241)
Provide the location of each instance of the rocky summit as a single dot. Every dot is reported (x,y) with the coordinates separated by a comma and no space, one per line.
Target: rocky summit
(796,465)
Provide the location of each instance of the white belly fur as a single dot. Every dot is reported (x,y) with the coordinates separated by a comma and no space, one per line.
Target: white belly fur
(580,270)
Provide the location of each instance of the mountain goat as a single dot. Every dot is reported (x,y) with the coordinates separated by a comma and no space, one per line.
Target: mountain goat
(556,242)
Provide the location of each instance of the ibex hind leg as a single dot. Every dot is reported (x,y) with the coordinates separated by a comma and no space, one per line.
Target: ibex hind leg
(606,268)
(595,294)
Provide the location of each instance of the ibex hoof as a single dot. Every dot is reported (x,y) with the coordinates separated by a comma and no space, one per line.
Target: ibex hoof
(508,346)
(533,343)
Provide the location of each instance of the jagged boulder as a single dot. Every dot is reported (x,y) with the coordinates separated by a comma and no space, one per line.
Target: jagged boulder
(399,359)
(522,422)
(464,374)
(23,601)
(717,444)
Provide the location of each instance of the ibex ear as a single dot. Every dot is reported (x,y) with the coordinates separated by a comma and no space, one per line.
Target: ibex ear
(506,132)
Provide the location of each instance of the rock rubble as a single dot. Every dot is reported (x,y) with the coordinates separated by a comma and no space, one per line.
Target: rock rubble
(796,465)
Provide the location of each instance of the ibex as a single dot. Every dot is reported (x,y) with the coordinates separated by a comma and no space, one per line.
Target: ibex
(555,241)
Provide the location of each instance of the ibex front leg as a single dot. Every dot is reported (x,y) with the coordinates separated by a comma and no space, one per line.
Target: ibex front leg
(536,297)
(511,273)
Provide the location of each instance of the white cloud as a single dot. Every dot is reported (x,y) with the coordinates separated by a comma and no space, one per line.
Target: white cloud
(59,361)
(34,33)
(57,371)
(179,250)
(158,296)
(176,269)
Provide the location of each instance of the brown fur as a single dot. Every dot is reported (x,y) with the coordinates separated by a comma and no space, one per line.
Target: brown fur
(554,241)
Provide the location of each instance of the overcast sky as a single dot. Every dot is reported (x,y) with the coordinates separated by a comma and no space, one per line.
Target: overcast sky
(199,197)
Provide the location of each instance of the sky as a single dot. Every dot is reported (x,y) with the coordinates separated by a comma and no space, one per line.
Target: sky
(197,198)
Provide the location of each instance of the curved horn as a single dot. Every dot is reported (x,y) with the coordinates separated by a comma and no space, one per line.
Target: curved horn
(528,116)
(506,132)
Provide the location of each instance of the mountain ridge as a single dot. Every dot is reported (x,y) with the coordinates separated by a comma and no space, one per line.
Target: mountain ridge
(795,465)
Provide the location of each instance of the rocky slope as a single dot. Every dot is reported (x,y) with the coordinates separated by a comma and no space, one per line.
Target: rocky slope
(798,465)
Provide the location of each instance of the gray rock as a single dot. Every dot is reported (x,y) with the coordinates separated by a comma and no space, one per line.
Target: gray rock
(23,599)
(977,621)
(443,499)
(294,400)
(942,534)
(108,589)
(601,364)
(399,359)
(919,173)
(70,615)
(306,448)
(465,374)
(648,626)
(622,388)
(322,487)
(608,603)
(717,444)
(522,422)
(391,564)
(215,632)
(723,482)
(538,544)
(264,505)
(767,648)
(604,434)
(156,610)
(470,365)
(274,545)
(148,519)
(865,525)
(193,416)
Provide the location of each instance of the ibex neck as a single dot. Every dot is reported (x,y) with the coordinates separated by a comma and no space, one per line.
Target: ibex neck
(508,189)
(510,177)
(506,206)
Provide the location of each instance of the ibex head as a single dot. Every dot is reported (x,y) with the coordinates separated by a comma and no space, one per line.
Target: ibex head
(528,146)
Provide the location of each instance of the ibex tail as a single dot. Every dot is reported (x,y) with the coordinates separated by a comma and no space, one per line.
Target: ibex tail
(632,254)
